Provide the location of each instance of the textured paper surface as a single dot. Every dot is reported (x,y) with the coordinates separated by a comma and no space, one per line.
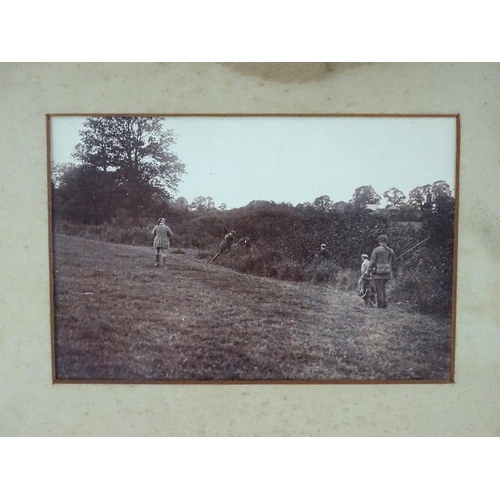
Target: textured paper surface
(31,406)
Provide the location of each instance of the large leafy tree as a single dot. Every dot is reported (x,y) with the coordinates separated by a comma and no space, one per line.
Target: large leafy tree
(181,204)
(363,196)
(430,196)
(125,162)
(202,204)
(323,203)
(420,197)
(395,197)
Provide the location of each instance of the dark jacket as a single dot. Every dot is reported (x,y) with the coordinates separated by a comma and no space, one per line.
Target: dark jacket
(325,254)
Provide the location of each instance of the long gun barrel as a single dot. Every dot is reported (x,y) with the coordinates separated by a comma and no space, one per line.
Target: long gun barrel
(415,246)
(161,216)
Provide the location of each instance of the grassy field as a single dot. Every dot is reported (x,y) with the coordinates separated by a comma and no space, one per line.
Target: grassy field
(118,317)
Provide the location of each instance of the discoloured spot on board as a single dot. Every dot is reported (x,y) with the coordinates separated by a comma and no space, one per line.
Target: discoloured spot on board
(292,72)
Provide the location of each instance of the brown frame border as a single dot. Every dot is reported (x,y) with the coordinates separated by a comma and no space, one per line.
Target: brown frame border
(451,380)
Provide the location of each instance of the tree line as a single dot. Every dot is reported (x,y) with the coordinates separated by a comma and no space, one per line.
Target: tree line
(128,164)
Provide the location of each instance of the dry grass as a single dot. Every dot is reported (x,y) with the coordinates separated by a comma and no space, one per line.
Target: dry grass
(118,317)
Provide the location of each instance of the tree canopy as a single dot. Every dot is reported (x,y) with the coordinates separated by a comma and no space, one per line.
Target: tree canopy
(394,197)
(323,203)
(363,196)
(430,196)
(202,204)
(124,162)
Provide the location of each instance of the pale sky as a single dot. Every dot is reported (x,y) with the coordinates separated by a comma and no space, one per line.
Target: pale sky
(297,159)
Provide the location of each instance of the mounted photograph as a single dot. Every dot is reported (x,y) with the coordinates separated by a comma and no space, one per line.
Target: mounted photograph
(253,248)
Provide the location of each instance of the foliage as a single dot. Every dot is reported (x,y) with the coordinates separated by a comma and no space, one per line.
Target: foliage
(395,197)
(420,197)
(323,204)
(202,204)
(430,196)
(426,277)
(363,196)
(85,195)
(123,163)
(286,240)
(426,281)
(323,272)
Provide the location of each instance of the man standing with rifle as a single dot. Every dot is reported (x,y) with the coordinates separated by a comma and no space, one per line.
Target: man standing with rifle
(382,261)
(162,234)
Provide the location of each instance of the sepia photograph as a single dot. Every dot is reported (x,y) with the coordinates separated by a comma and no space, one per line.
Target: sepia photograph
(253,248)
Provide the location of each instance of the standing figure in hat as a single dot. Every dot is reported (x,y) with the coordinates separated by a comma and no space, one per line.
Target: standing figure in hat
(365,282)
(161,243)
(382,261)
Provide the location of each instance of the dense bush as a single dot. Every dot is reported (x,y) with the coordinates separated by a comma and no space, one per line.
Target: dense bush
(347,280)
(425,281)
(261,263)
(323,271)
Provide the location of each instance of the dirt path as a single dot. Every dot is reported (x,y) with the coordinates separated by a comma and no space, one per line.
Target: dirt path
(118,317)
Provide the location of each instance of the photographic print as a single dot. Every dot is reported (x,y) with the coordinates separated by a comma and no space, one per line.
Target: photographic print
(253,248)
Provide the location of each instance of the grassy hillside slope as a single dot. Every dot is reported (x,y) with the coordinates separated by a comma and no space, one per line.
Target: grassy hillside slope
(117,317)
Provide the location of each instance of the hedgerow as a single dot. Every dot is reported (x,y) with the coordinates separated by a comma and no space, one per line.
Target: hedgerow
(286,240)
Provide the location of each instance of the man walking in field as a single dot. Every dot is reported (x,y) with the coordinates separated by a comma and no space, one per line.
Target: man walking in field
(382,261)
(365,282)
(161,243)
(226,244)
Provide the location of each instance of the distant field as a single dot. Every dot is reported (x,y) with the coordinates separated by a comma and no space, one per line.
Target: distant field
(119,318)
